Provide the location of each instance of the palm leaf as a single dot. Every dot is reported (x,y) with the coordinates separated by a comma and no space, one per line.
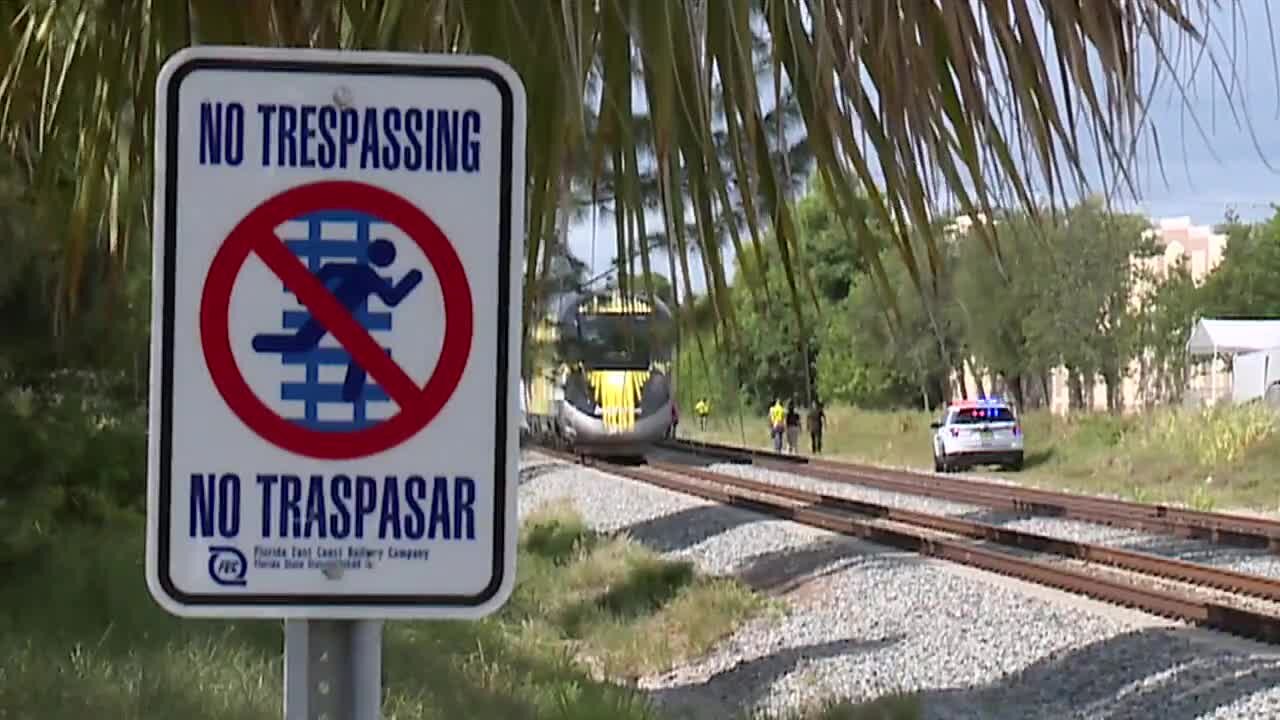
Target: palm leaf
(903,100)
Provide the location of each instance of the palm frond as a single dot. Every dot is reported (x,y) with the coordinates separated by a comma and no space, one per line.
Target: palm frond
(908,104)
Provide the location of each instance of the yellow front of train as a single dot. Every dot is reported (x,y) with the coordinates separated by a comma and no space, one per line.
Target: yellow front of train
(615,380)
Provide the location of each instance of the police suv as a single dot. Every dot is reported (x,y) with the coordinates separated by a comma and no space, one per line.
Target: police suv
(977,432)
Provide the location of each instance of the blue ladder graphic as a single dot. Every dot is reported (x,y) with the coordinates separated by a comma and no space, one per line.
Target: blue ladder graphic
(314,251)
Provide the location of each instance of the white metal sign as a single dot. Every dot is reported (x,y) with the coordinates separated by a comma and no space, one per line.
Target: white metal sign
(335,338)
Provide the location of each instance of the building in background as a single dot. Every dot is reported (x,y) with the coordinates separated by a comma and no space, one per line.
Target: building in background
(1201,249)
(1196,245)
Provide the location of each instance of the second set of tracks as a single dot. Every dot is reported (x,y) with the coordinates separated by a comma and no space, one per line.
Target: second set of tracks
(1233,602)
(1218,528)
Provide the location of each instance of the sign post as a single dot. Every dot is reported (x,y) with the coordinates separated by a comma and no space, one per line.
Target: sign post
(335,349)
(333,668)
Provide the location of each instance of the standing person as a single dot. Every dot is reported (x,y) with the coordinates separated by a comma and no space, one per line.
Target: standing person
(817,420)
(793,428)
(703,409)
(777,420)
(675,420)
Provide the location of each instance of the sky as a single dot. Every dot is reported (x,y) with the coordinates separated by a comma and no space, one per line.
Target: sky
(1221,164)
(1228,165)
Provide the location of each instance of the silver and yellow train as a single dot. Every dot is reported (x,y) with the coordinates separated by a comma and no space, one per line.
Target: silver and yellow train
(597,380)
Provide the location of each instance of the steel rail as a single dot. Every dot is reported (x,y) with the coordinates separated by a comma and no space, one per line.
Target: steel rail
(1219,528)
(1146,563)
(842,516)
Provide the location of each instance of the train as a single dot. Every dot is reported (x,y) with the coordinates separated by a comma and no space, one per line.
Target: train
(597,377)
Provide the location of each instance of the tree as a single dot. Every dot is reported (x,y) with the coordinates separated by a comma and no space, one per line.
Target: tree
(772,357)
(852,364)
(1246,283)
(1169,312)
(833,257)
(907,347)
(108,335)
(991,308)
(1083,319)
(77,105)
(1119,326)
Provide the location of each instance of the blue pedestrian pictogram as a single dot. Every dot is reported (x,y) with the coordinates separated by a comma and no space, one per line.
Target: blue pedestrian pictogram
(349,270)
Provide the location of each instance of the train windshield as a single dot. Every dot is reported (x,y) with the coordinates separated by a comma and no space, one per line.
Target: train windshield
(617,341)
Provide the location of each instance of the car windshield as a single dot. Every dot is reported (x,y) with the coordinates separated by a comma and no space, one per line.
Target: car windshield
(976,415)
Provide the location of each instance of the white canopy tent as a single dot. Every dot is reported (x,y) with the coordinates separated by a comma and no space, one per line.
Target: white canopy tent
(1231,337)
(1216,338)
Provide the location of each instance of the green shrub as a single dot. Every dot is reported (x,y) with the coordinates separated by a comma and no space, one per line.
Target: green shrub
(68,456)
(1211,436)
(1100,429)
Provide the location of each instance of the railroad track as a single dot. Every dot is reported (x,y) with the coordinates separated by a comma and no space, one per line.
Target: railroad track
(1219,528)
(1236,603)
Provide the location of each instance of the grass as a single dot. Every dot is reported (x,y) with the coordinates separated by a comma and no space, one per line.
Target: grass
(1219,458)
(624,610)
(80,637)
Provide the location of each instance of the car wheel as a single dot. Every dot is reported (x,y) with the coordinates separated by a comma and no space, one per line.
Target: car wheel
(1015,464)
(941,464)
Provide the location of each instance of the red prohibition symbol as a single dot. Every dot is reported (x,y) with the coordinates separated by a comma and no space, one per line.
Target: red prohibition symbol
(256,234)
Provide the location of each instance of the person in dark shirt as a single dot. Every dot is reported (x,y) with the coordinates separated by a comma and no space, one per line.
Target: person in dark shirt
(793,428)
(817,420)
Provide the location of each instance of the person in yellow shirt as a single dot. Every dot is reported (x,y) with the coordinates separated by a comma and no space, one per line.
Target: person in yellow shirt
(703,409)
(777,423)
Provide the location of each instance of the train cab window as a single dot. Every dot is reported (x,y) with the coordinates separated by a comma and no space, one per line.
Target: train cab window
(615,341)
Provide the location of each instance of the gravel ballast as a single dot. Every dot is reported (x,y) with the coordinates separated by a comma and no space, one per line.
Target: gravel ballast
(862,621)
